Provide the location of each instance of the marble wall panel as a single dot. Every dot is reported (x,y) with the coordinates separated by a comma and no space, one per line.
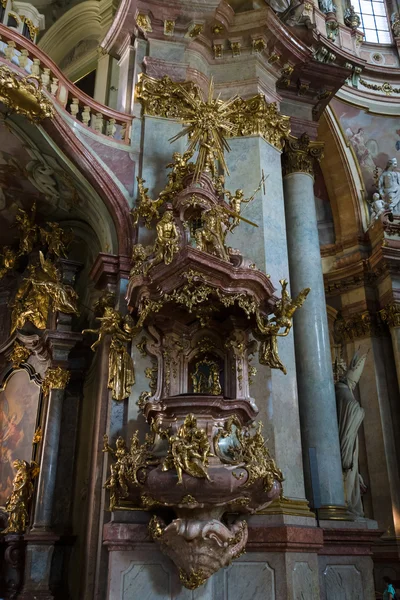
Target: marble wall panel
(305,583)
(346,578)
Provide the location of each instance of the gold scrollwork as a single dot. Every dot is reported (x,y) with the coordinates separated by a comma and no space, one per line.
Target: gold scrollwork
(24,96)
(19,355)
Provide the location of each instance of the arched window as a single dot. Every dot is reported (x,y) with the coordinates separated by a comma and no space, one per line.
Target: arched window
(374,20)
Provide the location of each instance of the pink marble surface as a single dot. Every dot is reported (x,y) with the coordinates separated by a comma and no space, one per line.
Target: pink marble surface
(119,161)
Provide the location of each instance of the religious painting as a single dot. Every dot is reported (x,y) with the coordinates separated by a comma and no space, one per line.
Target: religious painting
(374,138)
(19,404)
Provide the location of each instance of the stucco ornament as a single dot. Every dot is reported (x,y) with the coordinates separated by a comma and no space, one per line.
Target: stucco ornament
(389,185)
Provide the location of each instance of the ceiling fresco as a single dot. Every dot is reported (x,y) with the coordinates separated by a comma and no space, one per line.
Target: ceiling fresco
(374,139)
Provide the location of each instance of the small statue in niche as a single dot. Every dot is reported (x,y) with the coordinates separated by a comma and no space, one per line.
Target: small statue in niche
(389,185)
(378,206)
(39,292)
(28,230)
(121,372)
(167,242)
(205,378)
(17,505)
(270,328)
(210,237)
(188,450)
(350,417)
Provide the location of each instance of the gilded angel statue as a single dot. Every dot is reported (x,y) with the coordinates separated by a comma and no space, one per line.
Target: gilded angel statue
(57,240)
(28,230)
(270,329)
(121,373)
(17,505)
(40,292)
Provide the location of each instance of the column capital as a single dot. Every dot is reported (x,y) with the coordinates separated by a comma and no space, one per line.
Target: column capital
(55,379)
(299,155)
(390,314)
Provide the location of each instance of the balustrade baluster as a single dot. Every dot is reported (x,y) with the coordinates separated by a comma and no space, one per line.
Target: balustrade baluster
(35,69)
(10,51)
(45,77)
(23,58)
(86,115)
(110,128)
(74,107)
(98,123)
(54,86)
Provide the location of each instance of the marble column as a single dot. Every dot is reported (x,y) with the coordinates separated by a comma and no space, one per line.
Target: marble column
(275,393)
(102,82)
(48,463)
(391,315)
(317,401)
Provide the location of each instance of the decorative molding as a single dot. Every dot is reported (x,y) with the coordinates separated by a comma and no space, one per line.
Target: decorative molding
(299,155)
(55,379)
(166,98)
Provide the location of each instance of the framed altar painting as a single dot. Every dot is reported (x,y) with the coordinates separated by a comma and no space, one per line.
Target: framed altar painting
(20,398)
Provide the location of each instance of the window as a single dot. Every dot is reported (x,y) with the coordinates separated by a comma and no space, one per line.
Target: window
(374,20)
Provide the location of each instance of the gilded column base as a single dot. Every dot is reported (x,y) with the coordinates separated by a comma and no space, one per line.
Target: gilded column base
(334,513)
(287,506)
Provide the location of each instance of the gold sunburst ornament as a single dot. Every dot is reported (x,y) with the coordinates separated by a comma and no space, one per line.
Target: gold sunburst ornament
(208,122)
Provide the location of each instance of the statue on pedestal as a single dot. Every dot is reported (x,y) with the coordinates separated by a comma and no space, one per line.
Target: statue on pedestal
(389,185)
(350,416)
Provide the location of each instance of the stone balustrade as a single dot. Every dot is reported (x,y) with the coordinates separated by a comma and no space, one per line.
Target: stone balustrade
(26,58)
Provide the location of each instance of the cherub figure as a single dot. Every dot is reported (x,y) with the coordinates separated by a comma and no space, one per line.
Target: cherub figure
(28,230)
(270,329)
(179,169)
(146,207)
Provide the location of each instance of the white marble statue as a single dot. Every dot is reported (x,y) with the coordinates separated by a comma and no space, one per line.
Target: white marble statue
(378,206)
(327,6)
(389,185)
(350,416)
